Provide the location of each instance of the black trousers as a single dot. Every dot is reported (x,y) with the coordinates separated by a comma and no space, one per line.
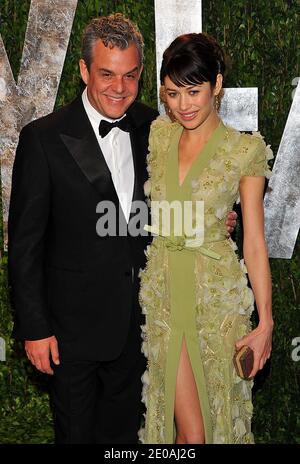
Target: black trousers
(100,402)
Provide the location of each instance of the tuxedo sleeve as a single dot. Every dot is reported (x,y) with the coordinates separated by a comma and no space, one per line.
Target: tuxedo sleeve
(27,229)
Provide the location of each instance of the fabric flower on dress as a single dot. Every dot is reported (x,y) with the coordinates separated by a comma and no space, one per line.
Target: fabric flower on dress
(268,154)
(257,134)
(221,211)
(239,428)
(147,188)
(196,185)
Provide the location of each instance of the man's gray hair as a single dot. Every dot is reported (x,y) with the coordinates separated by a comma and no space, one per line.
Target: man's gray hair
(114,30)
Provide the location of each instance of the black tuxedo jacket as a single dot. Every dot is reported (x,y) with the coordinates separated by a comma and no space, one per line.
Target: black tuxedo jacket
(65,279)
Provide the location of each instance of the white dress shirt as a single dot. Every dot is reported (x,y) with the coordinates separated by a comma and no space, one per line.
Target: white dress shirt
(116,149)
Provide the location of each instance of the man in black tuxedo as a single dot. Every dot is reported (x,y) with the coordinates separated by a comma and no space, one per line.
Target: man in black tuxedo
(75,293)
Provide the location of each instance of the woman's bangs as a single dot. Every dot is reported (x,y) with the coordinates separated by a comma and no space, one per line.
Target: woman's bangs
(182,72)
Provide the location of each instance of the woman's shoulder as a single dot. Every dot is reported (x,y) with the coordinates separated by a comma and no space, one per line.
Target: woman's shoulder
(163,125)
(253,141)
(250,151)
(161,133)
(255,154)
(249,142)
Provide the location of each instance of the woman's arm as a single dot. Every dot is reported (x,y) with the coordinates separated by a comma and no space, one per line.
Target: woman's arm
(256,259)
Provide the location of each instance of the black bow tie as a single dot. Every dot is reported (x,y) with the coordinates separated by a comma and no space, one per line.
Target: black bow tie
(105,126)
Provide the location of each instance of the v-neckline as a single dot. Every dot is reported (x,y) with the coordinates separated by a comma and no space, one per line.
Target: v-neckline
(200,154)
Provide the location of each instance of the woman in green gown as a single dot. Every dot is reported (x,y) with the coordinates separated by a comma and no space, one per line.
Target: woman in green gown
(194,290)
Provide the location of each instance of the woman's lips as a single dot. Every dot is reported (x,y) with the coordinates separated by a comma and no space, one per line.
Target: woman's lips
(188,116)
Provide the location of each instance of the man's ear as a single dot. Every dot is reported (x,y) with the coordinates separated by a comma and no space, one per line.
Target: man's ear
(84,71)
(141,70)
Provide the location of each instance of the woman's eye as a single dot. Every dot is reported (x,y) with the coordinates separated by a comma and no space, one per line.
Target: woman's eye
(194,92)
(172,94)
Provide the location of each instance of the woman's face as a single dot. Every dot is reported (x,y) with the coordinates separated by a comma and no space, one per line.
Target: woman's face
(191,105)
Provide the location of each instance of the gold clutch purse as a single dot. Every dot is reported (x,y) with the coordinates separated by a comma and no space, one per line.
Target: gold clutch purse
(243,360)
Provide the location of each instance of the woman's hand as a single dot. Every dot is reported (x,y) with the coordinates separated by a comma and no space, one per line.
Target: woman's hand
(260,340)
(230,222)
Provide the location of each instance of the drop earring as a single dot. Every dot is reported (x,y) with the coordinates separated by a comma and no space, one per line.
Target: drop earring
(217,103)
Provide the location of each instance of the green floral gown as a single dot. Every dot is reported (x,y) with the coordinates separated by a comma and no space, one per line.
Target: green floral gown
(199,293)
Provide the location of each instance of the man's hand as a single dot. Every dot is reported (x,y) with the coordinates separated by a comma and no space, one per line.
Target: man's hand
(39,351)
(230,222)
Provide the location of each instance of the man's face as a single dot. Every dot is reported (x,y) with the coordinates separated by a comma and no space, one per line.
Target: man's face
(113,78)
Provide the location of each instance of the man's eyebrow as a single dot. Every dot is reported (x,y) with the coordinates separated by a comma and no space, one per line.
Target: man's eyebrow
(111,72)
(105,70)
(132,70)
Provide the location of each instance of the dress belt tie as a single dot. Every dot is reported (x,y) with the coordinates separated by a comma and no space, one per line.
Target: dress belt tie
(180,242)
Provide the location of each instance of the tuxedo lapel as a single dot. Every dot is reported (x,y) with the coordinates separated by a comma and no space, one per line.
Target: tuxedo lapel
(83,146)
(140,122)
(91,161)
(139,165)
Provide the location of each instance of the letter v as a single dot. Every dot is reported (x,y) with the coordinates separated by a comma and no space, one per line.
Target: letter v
(282,200)
(46,41)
